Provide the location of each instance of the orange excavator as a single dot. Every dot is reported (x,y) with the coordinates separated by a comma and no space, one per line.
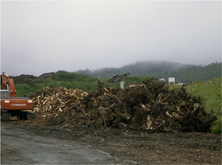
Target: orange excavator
(11,105)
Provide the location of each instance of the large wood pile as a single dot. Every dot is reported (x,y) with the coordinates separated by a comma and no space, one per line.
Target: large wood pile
(151,107)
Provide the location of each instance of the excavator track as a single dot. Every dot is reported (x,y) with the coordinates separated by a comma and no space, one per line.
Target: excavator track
(6,116)
(26,115)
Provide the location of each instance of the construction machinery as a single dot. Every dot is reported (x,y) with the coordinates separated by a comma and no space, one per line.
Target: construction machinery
(11,105)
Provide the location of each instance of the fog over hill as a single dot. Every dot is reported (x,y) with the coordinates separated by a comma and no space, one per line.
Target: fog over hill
(161,69)
(139,68)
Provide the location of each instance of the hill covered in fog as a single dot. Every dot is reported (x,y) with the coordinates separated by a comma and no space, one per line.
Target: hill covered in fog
(161,69)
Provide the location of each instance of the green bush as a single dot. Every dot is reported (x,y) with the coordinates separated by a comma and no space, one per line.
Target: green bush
(68,76)
(23,90)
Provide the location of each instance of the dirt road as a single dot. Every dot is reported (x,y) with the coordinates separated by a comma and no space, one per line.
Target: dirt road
(31,142)
(18,146)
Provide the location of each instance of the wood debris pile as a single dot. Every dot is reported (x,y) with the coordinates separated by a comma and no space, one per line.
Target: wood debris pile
(152,107)
(57,104)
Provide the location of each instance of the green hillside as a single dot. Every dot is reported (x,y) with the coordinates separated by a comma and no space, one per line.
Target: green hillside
(86,80)
(162,69)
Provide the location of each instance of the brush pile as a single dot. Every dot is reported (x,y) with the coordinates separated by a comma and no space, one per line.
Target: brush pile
(151,107)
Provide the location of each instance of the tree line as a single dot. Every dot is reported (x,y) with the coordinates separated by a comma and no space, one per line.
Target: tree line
(183,73)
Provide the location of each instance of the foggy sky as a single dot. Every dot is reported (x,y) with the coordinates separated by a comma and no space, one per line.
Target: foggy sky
(47,36)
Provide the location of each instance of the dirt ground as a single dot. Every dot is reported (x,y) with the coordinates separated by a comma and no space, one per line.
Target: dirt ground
(138,147)
(20,146)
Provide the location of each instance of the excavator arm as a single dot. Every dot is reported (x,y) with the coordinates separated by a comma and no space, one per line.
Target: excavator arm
(7,82)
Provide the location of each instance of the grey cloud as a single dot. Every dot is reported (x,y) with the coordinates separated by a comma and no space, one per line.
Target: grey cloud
(46,36)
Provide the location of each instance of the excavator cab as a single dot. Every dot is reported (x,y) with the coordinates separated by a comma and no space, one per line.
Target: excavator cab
(5,94)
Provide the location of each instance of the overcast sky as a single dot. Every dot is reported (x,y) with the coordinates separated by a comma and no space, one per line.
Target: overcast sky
(47,36)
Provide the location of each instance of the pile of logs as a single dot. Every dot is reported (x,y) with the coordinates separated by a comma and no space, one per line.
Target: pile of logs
(152,107)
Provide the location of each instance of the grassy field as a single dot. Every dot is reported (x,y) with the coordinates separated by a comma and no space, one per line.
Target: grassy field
(210,92)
